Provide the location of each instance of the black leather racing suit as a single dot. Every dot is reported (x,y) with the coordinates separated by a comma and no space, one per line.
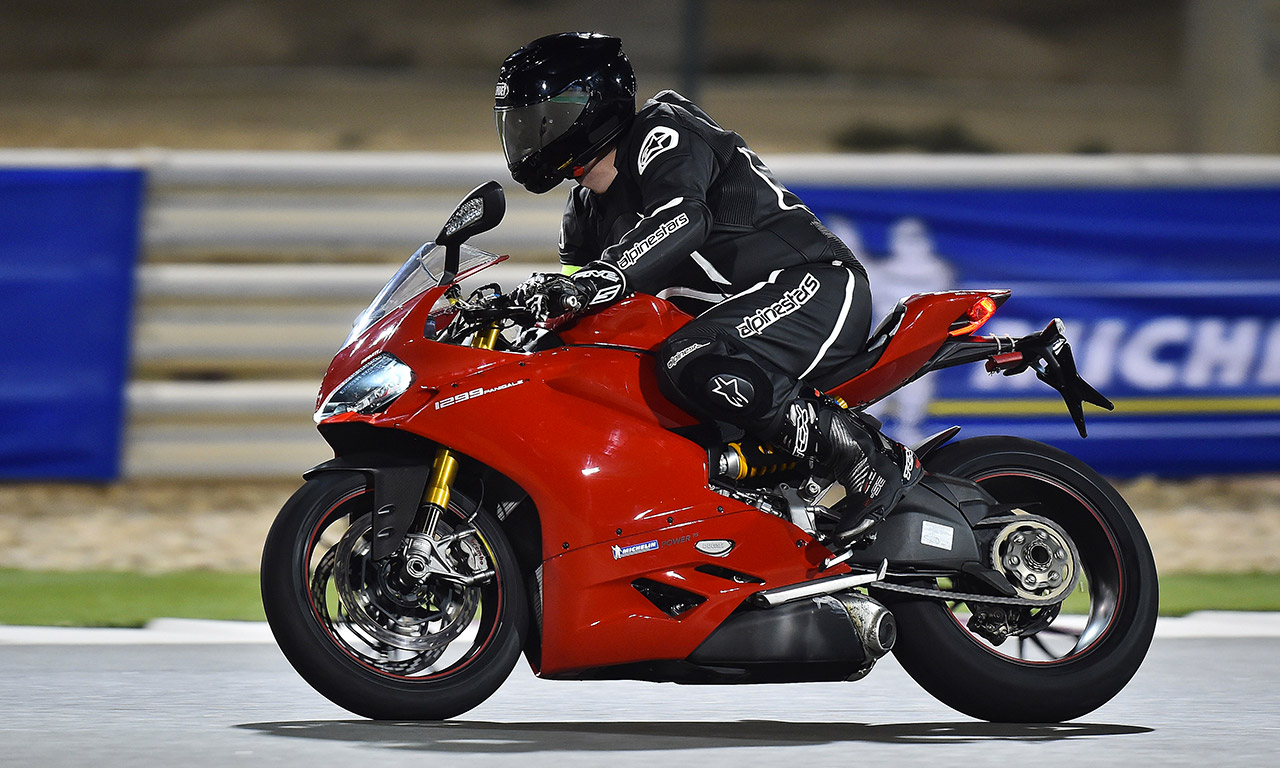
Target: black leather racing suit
(695,217)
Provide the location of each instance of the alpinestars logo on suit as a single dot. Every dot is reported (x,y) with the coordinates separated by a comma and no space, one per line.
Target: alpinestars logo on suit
(657,141)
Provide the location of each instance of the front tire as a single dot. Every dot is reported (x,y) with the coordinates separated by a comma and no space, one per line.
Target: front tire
(1075,664)
(365,638)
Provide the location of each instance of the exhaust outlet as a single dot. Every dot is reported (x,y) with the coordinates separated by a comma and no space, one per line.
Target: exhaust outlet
(875,625)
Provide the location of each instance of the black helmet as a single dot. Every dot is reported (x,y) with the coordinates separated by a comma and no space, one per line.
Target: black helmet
(560,101)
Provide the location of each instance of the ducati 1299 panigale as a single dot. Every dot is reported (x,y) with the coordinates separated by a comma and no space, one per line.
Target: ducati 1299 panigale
(500,486)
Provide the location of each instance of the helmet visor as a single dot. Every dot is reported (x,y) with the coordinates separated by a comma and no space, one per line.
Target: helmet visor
(525,130)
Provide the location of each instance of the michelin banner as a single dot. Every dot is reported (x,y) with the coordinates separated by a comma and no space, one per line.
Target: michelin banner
(1171,298)
(68,248)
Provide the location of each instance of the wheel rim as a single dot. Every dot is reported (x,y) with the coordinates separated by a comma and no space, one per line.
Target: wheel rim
(415,630)
(1090,611)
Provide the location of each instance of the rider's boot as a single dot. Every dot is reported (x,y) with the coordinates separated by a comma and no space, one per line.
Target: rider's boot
(874,470)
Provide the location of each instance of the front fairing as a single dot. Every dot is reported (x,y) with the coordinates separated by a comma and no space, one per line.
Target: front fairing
(408,309)
(639,322)
(405,334)
(577,425)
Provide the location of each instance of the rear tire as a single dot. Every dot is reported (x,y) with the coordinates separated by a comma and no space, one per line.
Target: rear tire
(366,645)
(1087,669)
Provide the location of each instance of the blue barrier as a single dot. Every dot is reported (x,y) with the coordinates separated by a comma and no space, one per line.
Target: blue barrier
(1171,296)
(68,248)
(1171,299)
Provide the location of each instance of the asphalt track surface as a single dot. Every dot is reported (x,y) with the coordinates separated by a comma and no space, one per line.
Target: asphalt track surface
(178,696)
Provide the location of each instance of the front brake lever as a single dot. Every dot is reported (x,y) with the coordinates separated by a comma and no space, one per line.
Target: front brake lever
(478,301)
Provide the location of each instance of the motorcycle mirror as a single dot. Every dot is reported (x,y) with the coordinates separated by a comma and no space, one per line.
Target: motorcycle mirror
(480,211)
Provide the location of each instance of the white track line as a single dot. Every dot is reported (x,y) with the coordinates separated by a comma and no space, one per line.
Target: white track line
(157,632)
(1220,624)
(1202,624)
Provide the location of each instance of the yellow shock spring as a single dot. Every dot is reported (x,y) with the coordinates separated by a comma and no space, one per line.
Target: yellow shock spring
(758,460)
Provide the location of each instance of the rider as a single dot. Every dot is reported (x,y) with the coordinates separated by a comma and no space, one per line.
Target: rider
(671,204)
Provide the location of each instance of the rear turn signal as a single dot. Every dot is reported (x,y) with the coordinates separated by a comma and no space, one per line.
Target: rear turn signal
(979,313)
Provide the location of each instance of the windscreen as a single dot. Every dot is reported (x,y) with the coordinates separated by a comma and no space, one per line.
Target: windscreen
(421,272)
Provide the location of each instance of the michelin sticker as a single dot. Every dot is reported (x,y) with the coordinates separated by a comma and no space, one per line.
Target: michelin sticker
(634,549)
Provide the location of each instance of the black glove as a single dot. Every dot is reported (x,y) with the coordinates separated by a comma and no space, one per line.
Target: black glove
(553,298)
(602,282)
(550,296)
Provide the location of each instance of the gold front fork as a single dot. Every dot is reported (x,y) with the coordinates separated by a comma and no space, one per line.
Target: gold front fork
(486,339)
(445,467)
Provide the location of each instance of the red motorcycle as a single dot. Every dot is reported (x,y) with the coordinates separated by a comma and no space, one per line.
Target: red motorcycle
(500,487)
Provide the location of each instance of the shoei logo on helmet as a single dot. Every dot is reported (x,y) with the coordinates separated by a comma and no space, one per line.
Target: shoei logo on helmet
(501,91)
(659,140)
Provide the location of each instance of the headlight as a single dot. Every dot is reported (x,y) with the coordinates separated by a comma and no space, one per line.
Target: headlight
(369,390)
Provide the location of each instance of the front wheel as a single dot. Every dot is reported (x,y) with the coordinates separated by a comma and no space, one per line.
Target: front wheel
(1042,665)
(426,634)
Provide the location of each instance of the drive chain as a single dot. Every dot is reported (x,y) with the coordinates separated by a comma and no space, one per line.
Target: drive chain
(960,597)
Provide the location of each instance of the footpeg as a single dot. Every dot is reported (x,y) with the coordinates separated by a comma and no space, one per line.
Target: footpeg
(837,559)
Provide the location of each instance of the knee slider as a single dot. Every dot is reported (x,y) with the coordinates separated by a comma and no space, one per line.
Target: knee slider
(727,388)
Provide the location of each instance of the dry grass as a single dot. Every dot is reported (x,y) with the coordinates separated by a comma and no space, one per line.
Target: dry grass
(1204,525)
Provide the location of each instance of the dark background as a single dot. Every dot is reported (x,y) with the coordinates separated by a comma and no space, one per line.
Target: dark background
(820,75)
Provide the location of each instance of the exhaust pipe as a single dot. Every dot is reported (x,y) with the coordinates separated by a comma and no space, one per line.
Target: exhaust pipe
(876,627)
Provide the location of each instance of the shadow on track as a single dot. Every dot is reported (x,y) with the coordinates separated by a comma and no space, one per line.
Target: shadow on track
(498,738)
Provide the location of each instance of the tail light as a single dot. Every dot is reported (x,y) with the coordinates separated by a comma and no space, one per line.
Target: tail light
(979,313)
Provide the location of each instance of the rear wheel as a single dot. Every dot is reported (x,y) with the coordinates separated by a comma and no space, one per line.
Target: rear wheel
(426,634)
(1055,665)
